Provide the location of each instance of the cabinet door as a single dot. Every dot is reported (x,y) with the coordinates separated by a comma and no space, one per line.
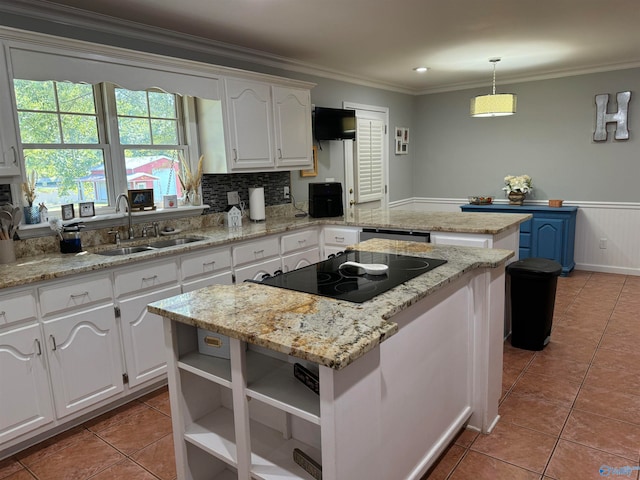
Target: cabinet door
(258,270)
(546,238)
(24,397)
(85,361)
(249,124)
(9,163)
(300,259)
(143,337)
(292,126)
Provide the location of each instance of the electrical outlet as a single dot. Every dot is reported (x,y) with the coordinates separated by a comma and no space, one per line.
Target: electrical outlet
(286,192)
(603,243)
(233,198)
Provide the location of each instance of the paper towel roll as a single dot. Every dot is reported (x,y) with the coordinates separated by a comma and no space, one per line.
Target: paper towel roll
(256,204)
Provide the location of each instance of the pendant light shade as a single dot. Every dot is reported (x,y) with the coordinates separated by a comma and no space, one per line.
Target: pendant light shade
(493,105)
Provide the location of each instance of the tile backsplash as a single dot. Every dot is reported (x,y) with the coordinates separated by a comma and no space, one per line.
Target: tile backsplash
(5,194)
(215,188)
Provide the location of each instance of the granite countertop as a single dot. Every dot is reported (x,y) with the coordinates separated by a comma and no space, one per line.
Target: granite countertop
(51,266)
(325,331)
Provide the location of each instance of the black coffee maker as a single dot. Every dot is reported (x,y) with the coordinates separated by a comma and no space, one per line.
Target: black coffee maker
(325,199)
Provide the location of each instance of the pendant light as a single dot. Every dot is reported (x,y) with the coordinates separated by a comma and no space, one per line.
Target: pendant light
(493,105)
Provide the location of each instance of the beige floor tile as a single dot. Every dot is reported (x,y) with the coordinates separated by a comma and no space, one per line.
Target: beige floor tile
(561,351)
(53,445)
(624,343)
(623,325)
(624,381)
(476,466)
(446,463)
(78,461)
(549,388)
(563,369)
(515,358)
(158,400)
(571,461)
(20,475)
(159,458)
(137,431)
(517,445)
(619,359)
(124,470)
(612,436)
(534,413)
(9,466)
(609,403)
(115,416)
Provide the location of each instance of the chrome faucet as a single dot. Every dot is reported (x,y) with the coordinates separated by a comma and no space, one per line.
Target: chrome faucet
(126,200)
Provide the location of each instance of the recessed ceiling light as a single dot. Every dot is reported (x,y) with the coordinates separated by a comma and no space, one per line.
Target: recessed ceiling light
(421,69)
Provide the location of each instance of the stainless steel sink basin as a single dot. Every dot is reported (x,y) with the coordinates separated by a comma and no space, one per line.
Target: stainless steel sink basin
(125,250)
(171,242)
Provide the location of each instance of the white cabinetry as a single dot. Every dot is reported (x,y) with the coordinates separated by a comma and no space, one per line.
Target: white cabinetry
(82,343)
(300,249)
(200,269)
(336,239)
(142,333)
(25,397)
(267,127)
(292,127)
(9,165)
(255,259)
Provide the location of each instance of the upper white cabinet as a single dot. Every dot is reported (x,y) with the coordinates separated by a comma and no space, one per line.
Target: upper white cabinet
(292,127)
(9,164)
(268,127)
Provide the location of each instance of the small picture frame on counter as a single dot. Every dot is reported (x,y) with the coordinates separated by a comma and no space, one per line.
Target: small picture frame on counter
(67,211)
(169,201)
(87,209)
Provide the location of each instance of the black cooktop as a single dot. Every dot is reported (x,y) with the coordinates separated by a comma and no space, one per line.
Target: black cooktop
(325,279)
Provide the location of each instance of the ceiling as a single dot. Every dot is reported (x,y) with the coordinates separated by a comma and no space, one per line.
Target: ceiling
(381,41)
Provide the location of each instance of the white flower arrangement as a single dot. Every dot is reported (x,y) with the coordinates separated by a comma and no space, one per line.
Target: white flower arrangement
(521,184)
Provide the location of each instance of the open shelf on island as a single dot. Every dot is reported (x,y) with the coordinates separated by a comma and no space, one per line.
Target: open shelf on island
(272,381)
(212,368)
(215,434)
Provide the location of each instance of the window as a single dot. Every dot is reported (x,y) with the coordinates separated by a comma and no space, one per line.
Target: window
(77,159)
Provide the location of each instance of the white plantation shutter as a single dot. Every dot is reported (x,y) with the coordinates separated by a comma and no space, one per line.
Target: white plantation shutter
(368,167)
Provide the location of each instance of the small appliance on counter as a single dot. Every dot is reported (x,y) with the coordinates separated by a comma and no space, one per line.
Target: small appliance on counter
(256,204)
(70,242)
(325,199)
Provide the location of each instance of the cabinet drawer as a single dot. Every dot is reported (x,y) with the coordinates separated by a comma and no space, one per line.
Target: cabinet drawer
(525,227)
(257,271)
(200,264)
(256,251)
(299,240)
(144,277)
(340,236)
(525,240)
(75,295)
(18,306)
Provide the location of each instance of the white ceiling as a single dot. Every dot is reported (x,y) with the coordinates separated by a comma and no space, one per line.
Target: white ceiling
(381,41)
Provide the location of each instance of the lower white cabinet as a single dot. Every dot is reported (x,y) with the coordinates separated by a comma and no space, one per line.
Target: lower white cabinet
(257,271)
(300,259)
(25,401)
(142,334)
(84,356)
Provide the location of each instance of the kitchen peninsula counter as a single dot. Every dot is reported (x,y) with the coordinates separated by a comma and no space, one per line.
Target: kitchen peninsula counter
(399,375)
(47,266)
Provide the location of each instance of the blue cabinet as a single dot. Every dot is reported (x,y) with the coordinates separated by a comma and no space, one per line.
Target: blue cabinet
(549,234)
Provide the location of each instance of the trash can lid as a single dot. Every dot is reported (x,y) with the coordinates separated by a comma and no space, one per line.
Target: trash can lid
(540,266)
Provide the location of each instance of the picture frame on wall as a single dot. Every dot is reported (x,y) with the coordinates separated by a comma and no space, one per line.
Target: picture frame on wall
(312,172)
(67,211)
(399,133)
(87,209)
(402,140)
(398,146)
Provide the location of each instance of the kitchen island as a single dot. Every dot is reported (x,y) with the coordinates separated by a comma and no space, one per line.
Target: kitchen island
(399,375)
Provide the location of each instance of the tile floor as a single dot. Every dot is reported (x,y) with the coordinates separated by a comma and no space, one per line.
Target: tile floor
(566,411)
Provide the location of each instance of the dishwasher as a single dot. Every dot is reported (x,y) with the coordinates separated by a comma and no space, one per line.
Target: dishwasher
(407,235)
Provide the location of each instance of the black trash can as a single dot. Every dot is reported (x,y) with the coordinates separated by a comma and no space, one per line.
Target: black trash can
(531,289)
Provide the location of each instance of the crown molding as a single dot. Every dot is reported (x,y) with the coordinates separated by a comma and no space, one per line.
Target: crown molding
(71,17)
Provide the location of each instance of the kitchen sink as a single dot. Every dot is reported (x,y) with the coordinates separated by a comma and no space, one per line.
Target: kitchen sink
(125,251)
(171,242)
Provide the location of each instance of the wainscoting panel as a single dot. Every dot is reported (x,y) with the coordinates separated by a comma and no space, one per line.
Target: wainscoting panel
(607,234)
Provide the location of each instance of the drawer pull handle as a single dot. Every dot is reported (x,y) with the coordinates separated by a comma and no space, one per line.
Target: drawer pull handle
(258,252)
(206,264)
(39,348)
(339,239)
(302,241)
(148,279)
(213,342)
(78,295)
(3,314)
(54,347)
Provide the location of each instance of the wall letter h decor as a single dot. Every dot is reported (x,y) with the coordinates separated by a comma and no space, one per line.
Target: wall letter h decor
(620,117)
